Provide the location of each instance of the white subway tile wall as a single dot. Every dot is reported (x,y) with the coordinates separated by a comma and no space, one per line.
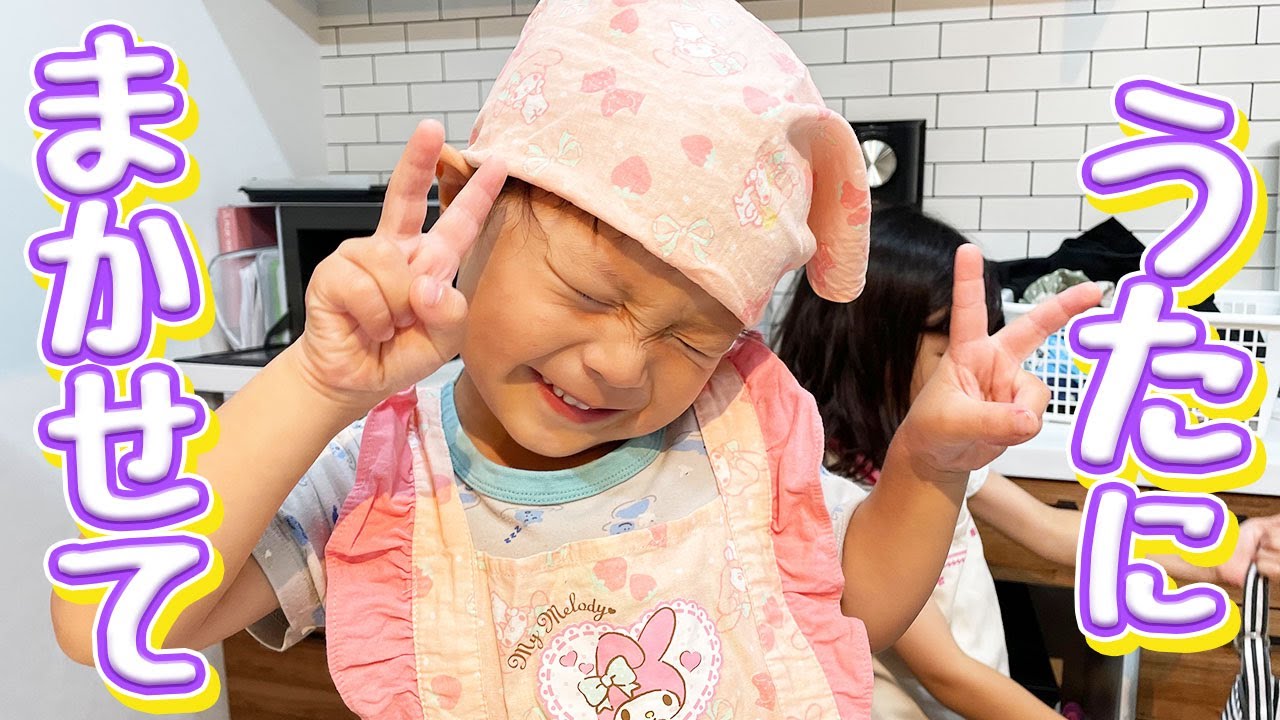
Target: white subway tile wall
(371,39)
(896,107)
(780,15)
(1054,177)
(410,67)
(1013,91)
(396,128)
(817,47)
(991,37)
(851,79)
(443,35)
(1039,72)
(328,38)
(1093,32)
(986,109)
(892,43)
(982,179)
(405,10)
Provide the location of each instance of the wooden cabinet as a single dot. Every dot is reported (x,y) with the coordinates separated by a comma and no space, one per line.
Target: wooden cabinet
(263,684)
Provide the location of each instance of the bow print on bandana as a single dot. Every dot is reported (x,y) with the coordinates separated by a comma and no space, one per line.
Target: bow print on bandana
(568,154)
(614,99)
(670,232)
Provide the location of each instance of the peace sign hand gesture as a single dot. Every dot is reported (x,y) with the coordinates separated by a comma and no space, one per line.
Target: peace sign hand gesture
(381,311)
(980,400)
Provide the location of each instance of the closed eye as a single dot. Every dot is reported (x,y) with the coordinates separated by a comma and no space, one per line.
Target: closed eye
(693,349)
(590,301)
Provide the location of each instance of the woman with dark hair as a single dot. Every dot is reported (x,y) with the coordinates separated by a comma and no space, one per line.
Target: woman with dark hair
(865,362)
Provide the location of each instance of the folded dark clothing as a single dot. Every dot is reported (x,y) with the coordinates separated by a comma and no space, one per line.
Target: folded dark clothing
(1107,251)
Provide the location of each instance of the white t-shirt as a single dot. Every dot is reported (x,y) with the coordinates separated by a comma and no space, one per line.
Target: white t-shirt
(966,596)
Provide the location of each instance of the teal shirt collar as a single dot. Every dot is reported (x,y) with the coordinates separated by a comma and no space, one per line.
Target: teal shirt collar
(532,487)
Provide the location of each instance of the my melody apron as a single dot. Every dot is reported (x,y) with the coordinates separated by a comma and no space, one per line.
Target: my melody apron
(730,612)
(966,595)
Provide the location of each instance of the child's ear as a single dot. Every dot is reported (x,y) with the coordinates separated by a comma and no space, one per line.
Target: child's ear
(452,172)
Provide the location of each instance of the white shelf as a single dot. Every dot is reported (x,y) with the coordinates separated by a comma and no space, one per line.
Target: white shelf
(224,379)
(227,379)
(1046,456)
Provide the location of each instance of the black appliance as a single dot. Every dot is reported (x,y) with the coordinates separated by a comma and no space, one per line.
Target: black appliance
(894,153)
(311,223)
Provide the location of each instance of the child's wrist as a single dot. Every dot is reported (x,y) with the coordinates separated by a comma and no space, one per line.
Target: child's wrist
(332,402)
(910,450)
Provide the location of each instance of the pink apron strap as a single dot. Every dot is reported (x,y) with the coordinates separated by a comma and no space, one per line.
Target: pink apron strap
(805,548)
(369,598)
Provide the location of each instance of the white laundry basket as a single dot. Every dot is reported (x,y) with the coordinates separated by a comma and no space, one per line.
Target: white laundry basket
(1249,319)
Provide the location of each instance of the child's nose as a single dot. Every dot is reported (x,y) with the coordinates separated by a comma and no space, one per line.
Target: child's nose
(618,359)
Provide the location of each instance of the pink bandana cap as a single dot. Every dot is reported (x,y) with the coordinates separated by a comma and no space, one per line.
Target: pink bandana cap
(694,129)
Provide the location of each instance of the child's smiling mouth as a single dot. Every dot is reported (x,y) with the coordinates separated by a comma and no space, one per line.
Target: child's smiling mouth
(567,405)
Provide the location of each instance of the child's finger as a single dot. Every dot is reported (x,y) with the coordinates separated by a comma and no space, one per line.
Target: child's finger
(968,296)
(442,311)
(404,208)
(387,265)
(1004,424)
(460,224)
(1031,394)
(361,298)
(1021,337)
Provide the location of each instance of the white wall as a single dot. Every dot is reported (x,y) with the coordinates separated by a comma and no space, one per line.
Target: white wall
(1013,92)
(254,73)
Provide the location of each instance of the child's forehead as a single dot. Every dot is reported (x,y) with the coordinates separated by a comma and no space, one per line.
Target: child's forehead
(612,260)
(575,234)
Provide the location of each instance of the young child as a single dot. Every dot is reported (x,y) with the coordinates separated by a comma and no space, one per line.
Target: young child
(867,369)
(615,510)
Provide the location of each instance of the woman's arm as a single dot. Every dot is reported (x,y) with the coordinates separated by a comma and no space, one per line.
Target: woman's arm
(1047,531)
(898,540)
(1053,533)
(963,684)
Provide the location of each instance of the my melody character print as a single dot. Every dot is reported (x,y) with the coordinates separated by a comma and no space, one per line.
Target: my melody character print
(664,666)
(694,52)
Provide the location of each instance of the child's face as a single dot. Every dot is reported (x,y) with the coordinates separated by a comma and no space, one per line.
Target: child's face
(562,305)
(932,347)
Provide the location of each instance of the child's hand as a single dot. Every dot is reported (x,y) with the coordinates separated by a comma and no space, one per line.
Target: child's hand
(1259,544)
(980,400)
(381,311)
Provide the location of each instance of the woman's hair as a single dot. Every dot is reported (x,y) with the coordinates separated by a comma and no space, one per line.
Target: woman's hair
(857,359)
